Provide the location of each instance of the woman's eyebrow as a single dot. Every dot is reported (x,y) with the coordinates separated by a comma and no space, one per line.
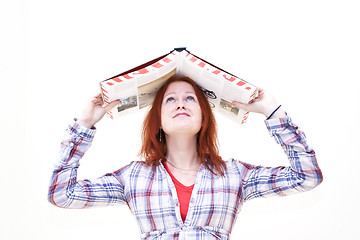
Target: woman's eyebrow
(175,93)
(169,94)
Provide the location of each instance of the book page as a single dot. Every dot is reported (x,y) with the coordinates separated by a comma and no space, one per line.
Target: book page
(136,89)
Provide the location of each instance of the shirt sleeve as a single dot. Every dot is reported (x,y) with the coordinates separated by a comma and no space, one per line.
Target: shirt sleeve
(303,173)
(65,190)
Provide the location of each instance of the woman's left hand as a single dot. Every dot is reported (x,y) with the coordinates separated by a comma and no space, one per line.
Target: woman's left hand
(264,103)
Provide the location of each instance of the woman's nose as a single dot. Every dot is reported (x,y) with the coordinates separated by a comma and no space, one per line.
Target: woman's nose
(180,105)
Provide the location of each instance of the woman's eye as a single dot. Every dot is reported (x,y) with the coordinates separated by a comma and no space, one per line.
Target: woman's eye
(170,99)
(190,98)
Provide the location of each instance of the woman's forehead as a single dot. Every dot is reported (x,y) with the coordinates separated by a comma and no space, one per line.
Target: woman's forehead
(179,86)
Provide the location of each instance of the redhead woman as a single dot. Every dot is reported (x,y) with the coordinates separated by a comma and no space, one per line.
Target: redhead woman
(182,189)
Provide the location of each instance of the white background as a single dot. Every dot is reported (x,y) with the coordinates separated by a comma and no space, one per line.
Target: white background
(54,53)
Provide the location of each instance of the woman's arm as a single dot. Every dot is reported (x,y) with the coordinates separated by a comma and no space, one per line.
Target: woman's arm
(303,173)
(65,191)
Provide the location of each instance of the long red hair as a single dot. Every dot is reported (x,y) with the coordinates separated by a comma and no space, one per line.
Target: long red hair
(153,138)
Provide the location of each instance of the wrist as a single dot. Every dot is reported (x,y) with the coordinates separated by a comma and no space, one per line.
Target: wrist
(270,109)
(85,123)
(277,112)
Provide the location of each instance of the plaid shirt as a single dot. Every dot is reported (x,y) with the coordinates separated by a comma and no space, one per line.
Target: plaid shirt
(151,195)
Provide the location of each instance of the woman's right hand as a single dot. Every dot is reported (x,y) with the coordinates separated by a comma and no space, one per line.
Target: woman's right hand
(94,111)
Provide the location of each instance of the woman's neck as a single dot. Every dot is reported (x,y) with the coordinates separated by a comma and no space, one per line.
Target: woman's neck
(182,152)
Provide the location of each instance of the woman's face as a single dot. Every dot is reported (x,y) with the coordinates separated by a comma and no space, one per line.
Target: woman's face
(180,110)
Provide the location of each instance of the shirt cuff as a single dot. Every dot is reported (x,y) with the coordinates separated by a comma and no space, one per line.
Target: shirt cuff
(282,128)
(276,123)
(86,134)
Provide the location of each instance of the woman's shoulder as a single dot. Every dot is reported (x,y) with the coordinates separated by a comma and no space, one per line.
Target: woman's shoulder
(134,166)
(237,166)
(138,173)
(234,172)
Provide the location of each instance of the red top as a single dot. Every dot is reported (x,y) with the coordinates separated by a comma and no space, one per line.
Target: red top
(183,192)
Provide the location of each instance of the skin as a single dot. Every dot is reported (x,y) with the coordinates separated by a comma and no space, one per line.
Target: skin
(181,120)
(94,111)
(264,103)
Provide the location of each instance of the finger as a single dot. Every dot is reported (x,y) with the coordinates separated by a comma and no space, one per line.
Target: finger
(97,98)
(238,104)
(112,105)
(97,101)
(260,94)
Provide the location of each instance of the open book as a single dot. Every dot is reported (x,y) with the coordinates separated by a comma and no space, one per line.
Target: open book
(137,87)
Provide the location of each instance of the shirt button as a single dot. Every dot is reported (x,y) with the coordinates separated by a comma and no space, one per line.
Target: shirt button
(191,205)
(183,228)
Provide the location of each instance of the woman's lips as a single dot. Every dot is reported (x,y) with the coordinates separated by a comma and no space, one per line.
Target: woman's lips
(182,114)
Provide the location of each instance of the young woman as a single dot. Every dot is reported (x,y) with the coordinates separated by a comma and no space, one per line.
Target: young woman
(183,189)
